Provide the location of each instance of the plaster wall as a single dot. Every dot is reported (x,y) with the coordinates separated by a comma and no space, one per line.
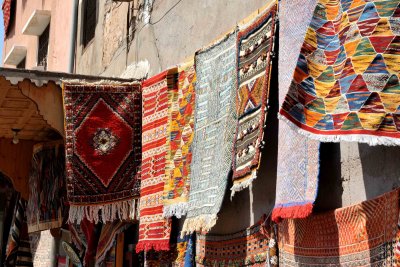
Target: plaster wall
(60,29)
(349,173)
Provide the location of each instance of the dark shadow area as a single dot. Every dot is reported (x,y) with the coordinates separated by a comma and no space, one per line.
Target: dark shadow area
(330,187)
(380,169)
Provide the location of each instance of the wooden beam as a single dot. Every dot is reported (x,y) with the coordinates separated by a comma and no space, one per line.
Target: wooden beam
(119,252)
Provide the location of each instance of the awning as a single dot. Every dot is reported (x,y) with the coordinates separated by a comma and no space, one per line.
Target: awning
(31,101)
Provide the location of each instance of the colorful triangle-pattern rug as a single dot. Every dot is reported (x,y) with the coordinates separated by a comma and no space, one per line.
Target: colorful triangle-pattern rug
(46,187)
(255,47)
(359,235)
(215,124)
(154,229)
(346,82)
(298,156)
(180,134)
(103,147)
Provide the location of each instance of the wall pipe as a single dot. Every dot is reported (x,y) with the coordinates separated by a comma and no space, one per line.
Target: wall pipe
(73,40)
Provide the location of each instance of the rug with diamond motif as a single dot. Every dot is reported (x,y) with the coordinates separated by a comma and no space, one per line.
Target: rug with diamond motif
(180,133)
(103,147)
(255,47)
(358,235)
(346,83)
(154,229)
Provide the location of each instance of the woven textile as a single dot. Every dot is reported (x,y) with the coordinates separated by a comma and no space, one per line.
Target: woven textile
(103,146)
(154,229)
(46,183)
(214,132)
(186,249)
(298,156)
(18,251)
(359,235)
(346,84)
(246,248)
(180,134)
(107,239)
(255,46)
(6,15)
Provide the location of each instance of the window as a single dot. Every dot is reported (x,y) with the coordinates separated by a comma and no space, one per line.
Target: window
(22,64)
(89,21)
(43,47)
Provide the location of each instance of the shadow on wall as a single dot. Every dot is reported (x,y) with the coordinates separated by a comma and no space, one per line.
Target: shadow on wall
(380,169)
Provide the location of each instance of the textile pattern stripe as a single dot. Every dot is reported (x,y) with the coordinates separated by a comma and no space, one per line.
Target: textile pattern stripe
(18,251)
(6,15)
(245,248)
(103,148)
(255,47)
(154,229)
(180,133)
(46,182)
(215,122)
(359,235)
(107,239)
(298,156)
(346,83)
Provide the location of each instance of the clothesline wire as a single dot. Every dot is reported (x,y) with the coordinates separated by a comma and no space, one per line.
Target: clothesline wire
(125,46)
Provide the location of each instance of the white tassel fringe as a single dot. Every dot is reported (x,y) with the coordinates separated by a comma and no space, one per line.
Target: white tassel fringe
(124,210)
(178,210)
(242,185)
(371,140)
(199,224)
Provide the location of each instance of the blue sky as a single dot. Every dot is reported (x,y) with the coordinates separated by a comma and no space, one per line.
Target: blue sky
(1,37)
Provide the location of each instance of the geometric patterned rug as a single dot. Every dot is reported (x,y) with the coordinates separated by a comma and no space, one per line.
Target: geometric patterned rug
(346,83)
(103,148)
(298,156)
(154,229)
(215,124)
(180,134)
(359,235)
(47,187)
(255,45)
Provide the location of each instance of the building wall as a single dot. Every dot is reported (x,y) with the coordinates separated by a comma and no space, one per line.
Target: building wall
(60,30)
(349,173)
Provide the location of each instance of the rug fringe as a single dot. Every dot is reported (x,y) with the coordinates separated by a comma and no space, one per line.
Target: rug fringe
(292,212)
(199,224)
(239,186)
(157,245)
(178,210)
(123,210)
(371,140)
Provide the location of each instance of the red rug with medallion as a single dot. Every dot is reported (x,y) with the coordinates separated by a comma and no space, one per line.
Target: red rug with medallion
(103,147)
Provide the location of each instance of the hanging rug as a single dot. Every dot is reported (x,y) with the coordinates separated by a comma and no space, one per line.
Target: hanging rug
(215,124)
(346,83)
(180,134)
(103,146)
(154,229)
(365,234)
(298,156)
(255,48)
(46,187)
